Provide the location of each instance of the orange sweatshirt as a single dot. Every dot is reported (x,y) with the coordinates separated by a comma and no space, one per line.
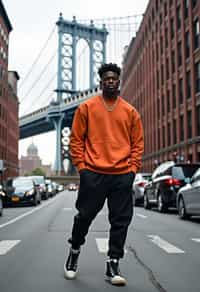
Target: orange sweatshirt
(103,141)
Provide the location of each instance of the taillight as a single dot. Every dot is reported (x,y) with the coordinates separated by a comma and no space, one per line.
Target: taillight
(173,182)
(141,184)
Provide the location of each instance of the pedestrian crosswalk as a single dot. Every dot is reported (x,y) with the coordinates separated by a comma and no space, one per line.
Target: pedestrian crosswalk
(102,245)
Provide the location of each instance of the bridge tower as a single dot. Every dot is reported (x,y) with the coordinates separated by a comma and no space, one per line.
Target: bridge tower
(69,33)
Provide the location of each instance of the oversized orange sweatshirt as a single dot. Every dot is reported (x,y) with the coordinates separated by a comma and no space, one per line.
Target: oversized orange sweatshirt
(103,141)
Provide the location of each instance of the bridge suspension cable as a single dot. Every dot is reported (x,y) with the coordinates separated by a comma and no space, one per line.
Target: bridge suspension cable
(37,58)
(40,75)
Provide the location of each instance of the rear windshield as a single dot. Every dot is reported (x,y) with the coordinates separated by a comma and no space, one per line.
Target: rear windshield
(181,172)
(146,176)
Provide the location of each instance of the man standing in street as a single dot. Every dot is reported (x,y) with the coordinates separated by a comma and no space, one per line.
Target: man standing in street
(106,146)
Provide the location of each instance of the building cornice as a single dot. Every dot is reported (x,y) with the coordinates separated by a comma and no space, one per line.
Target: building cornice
(3,13)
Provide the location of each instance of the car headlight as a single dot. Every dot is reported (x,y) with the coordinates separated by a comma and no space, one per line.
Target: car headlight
(30,193)
(2,194)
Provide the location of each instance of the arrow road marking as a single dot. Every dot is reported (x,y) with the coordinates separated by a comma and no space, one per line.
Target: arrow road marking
(140,215)
(6,245)
(196,239)
(166,246)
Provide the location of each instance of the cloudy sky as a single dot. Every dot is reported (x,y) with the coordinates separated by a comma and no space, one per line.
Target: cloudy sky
(32,22)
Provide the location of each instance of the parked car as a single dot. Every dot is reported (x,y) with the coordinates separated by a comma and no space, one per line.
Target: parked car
(141,179)
(21,190)
(166,180)
(60,188)
(51,190)
(188,197)
(2,195)
(39,180)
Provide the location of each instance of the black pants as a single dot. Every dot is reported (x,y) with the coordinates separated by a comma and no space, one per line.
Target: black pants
(94,189)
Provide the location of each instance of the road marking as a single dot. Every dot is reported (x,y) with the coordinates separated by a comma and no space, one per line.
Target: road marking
(140,215)
(6,245)
(166,246)
(28,213)
(102,245)
(196,239)
(67,209)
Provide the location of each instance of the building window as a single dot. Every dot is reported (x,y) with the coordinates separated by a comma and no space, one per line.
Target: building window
(174,131)
(187,44)
(181,91)
(166,37)
(165,8)
(158,109)
(157,79)
(196,31)
(163,105)
(167,68)
(189,124)
(181,128)
(194,2)
(163,136)
(173,61)
(172,28)
(161,45)
(198,119)
(168,134)
(157,52)
(162,74)
(186,8)
(178,17)
(188,85)
(168,101)
(179,54)
(197,75)
(174,95)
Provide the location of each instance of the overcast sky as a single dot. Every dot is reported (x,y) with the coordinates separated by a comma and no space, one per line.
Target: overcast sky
(32,22)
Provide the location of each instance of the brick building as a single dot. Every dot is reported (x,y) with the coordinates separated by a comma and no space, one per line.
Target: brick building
(9,130)
(161,78)
(32,161)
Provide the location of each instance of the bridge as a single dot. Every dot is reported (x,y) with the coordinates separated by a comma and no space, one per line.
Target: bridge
(58,113)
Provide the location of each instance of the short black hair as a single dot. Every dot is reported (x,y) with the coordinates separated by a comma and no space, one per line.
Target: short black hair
(109,67)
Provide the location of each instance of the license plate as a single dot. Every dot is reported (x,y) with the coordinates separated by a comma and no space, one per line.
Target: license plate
(15,199)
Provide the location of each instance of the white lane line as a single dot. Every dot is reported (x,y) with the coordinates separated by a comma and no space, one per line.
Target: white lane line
(141,216)
(67,209)
(28,213)
(6,245)
(165,245)
(102,245)
(196,239)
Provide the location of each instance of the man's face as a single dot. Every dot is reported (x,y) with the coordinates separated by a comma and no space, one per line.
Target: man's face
(110,82)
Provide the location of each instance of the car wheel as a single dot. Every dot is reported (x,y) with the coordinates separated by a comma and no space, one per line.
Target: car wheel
(146,202)
(161,205)
(1,207)
(182,210)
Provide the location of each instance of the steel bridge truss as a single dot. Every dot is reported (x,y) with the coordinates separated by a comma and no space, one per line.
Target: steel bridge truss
(69,33)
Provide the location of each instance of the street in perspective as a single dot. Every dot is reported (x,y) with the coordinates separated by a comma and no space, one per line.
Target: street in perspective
(100,146)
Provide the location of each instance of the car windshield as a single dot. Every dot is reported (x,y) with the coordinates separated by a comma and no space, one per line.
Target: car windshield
(18,183)
(146,176)
(181,172)
(38,180)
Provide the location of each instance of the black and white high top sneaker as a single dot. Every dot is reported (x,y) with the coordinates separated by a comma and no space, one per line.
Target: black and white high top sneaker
(113,274)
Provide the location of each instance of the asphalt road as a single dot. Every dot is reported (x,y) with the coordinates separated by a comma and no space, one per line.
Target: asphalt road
(162,252)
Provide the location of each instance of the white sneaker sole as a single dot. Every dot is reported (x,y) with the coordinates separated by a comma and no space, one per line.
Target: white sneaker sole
(117,280)
(70,275)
